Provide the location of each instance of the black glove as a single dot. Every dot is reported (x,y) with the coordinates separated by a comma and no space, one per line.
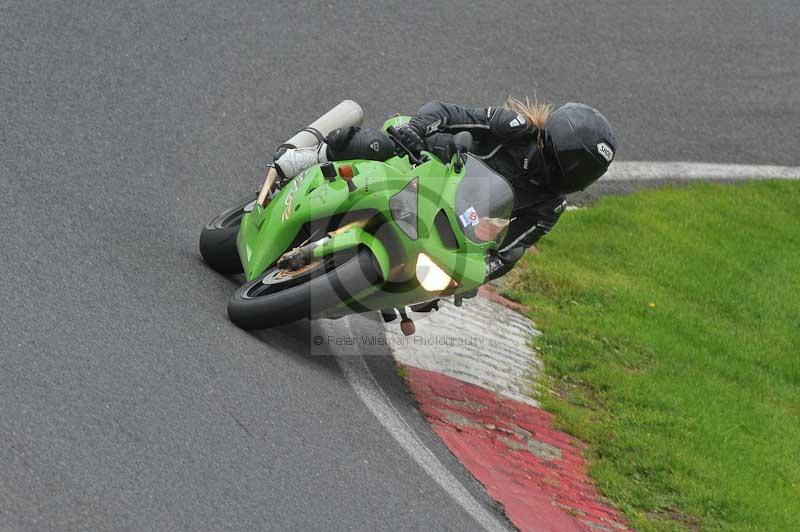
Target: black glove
(410,138)
(498,264)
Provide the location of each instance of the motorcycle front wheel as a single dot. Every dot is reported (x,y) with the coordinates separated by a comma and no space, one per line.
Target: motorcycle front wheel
(281,296)
(218,241)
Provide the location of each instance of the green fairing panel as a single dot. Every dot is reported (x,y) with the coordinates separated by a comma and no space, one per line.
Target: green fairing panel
(355,237)
(267,232)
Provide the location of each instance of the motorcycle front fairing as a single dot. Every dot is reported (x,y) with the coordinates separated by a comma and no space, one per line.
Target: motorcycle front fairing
(423,225)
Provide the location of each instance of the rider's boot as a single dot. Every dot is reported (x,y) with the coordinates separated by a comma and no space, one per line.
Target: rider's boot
(425,306)
(294,160)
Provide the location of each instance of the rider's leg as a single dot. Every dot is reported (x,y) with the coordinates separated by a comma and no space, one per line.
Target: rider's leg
(290,162)
(340,145)
(359,143)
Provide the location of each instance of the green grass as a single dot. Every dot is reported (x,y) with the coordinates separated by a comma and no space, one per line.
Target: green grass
(671,323)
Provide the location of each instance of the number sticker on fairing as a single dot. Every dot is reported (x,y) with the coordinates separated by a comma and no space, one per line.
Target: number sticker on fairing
(469,217)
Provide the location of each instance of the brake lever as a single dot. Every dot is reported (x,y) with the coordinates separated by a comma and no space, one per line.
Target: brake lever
(416,161)
(460,160)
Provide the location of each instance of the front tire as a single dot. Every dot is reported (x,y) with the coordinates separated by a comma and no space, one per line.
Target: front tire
(218,241)
(268,301)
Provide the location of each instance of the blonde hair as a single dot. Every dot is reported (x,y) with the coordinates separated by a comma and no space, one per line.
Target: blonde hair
(536,113)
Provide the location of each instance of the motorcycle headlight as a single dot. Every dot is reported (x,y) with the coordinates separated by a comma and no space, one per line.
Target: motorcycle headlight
(403,207)
(430,276)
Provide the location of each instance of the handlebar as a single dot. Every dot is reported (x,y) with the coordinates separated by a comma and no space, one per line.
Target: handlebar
(462,143)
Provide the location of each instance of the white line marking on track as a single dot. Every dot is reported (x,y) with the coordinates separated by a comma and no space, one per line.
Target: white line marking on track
(372,395)
(647,170)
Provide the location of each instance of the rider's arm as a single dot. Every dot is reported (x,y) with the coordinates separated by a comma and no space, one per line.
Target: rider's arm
(535,222)
(526,229)
(438,117)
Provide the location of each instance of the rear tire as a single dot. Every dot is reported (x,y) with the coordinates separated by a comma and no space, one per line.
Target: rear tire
(218,241)
(259,305)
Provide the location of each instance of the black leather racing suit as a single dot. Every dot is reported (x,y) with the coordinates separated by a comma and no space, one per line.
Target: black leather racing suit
(504,141)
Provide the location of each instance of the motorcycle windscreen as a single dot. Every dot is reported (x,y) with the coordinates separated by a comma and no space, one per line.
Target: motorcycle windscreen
(484,201)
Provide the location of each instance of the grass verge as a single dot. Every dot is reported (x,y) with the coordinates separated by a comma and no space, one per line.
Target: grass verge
(671,323)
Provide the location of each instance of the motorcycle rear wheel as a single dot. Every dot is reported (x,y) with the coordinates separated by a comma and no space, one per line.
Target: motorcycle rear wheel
(218,241)
(278,297)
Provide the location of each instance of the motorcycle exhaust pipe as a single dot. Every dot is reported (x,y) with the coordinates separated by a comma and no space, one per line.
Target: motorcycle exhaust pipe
(346,114)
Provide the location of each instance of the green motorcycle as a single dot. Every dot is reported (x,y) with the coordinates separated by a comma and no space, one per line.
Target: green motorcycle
(356,236)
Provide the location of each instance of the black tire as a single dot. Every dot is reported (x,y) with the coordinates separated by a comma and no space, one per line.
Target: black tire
(218,241)
(257,305)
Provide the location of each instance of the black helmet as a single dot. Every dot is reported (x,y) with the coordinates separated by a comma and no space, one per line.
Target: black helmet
(580,141)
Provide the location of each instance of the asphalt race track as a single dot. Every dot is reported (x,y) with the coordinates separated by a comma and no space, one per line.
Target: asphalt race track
(127,400)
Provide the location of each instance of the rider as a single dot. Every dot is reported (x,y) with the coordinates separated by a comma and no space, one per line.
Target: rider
(544,154)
